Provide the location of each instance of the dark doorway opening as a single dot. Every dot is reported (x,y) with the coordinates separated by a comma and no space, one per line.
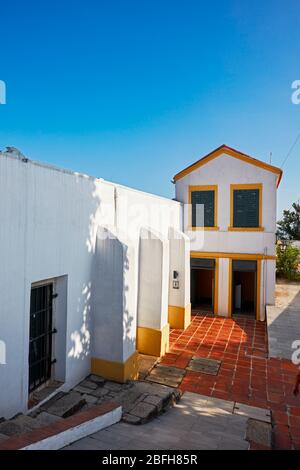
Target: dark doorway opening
(202,284)
(40,340)
(244,274)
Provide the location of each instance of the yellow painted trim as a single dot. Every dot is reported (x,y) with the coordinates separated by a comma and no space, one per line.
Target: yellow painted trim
(153,342)
(214,188)
(179,317)
(245,229)
(216,293)
(193,229)
(230,289)
(233,187)
(208,254)
(258,289)
(216,287)
(118,371)
(224,149)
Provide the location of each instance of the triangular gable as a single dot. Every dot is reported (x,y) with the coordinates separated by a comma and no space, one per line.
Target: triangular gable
(232,153)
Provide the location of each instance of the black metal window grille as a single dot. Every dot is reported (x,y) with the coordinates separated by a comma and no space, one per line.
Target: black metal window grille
(202,263)
(40,340)
(246,208)
(244,265)
(207,199)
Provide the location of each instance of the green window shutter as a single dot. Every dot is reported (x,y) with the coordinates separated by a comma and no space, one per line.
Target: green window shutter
(246,208)
(207,198)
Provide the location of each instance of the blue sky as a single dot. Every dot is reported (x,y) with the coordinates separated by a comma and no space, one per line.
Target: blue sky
(134,91)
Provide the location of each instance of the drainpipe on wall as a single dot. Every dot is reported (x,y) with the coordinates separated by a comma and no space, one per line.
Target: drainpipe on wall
(182,217)
(264,280)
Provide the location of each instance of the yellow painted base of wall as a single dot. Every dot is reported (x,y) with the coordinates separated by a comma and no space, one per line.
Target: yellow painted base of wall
(118,371)
(179,317)
(153,342)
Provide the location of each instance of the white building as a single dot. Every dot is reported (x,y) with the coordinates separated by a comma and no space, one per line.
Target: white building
(93,272)
(231,221)
(86,277)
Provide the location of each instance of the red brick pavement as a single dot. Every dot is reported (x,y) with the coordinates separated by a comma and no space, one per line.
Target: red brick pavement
(246,374)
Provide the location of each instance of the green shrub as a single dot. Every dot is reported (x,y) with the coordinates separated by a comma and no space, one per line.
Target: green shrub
(287,262)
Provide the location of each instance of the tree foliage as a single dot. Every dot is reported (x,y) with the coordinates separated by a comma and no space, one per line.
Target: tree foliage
(289,226)
(287,261)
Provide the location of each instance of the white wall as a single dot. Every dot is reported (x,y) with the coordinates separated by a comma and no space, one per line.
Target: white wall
(153,280)
(223,287)
(49,221)
(114,296)
(180,262)
(224,171)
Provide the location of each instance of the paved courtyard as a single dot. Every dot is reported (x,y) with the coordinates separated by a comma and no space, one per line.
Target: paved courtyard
(237,372)
(196,422)
(246,375)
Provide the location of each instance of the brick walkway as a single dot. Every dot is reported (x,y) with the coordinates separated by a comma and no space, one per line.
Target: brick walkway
(246,374)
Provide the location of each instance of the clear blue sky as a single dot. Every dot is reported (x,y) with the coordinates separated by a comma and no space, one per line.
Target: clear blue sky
(134,91)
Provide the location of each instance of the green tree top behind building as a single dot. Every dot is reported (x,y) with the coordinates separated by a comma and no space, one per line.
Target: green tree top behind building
(289,226)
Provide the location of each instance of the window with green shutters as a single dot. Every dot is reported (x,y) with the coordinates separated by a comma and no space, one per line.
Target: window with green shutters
(246,208)
(207,199)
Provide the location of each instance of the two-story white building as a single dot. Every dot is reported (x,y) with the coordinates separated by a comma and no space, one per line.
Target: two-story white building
(230,217)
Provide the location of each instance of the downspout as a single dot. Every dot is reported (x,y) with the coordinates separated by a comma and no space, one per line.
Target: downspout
(264,280)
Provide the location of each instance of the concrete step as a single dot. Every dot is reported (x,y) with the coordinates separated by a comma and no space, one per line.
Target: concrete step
(65,406)
(44,419)
(17,425)
(45,406)
(25,422)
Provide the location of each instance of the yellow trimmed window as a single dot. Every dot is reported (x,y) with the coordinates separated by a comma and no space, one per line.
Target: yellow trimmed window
(203,207)
(246,207)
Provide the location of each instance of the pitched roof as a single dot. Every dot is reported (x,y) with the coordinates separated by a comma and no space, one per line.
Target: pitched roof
(232,153)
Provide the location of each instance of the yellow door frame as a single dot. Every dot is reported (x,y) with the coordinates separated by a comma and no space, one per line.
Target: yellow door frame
(216,283)
(258,287)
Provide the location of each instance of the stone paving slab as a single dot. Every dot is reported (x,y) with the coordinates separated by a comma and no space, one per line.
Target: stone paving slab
(145,364)
(51,401)
(89,384)
(66,405)
(100,392)
(204,365)
(253,412)
(44,419)
(144,411)
(166,375)
(168,381)
(208,404)
(259,432)
(9,428)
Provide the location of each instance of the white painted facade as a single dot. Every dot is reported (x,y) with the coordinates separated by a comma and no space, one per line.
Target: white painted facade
(51,224)
(223,171)
(113,254)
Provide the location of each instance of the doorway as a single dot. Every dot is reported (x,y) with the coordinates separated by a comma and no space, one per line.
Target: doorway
(203,284)
(244,280)
(41,331)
